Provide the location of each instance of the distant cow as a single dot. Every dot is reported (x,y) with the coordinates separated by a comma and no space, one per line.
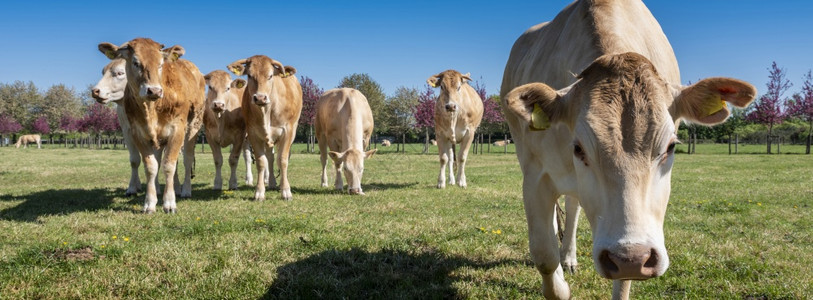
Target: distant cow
(164,103)
(386,143)
(344,123)
(271,105)
(225,125)
(434,142)
(605,138)
(29,138)
(502,143)
(458,112)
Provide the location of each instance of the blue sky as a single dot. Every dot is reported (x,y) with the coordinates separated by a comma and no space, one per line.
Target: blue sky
(397,43)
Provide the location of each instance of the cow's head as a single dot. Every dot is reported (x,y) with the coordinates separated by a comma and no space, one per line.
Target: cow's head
(449,82)
(221,90)
(352,166)
(264,75)
(114,79)
(622,117)
(144,63)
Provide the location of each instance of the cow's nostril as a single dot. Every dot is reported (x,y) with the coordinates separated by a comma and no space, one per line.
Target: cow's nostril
(652,261)
(96,92)
(607,264)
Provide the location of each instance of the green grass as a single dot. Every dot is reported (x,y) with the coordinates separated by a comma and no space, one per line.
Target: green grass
(737,226)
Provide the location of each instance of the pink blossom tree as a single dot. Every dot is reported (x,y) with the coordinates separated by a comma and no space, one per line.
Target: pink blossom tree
(40,125)
(8,125)
(310,95)
(802,106)
(99,119)
(768,108)
(424,114)
(68,124)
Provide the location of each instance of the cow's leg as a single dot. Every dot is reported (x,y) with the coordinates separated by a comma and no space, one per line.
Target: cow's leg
(159,155)
(188,162)
(323,159)
(247,159)
(262,170)
(284,154)
(270,179)
(338,184)
(234,158)
(151,172)
(461,158)
(568,251)
(443,154)
(451,155)
(217,154)
(135,162)
(540,208)
(170,163)
(621,289)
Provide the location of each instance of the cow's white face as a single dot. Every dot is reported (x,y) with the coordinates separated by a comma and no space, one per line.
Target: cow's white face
(352,167)
(263,72)
(221,90)
(622,117)
(450,83)
(114,81)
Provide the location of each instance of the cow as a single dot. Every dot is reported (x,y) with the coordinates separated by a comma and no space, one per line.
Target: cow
(29,138)
(605,138)
(458,112)
(271,105)
(502,143)
(386,143)
(225,125)
(344,123)
(434,142)
(164,103)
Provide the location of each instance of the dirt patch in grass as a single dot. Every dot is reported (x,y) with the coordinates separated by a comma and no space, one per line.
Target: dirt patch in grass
(81,254)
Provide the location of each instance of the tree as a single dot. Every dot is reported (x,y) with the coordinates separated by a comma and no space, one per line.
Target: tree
(17,100)
(40,125)
(99,119)
(424,114)
(8,125)
(310,94)
(400,111)
(375,96)
(57,101)
(768,108)
(802,106)
(68,124)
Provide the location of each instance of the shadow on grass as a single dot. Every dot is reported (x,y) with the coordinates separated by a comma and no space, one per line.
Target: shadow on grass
(389,186)
(389,274)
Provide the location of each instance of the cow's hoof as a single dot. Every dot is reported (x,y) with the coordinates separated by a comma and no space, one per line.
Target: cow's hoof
(569,268)
(186,195)
(259,196)
(217,189)
(324,185)
(234,188)
(170,210)
(130,193)
(462,184)
(148,211)
(286,195)
(441,186)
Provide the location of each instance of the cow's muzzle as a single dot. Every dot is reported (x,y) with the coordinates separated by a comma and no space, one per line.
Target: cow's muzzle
(218,106)
(155,93)
(451,107)
(355,191)
(97,94)
(260,99)
(632,262)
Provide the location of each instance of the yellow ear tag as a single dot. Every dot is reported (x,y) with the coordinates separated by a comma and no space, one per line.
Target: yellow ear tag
(236,71)
(286,74)
(539,119)
(175,56)
(714,105)
(433,85)
(110,54)
(239,84)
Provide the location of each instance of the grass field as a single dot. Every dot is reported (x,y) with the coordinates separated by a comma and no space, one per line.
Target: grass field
(737,227)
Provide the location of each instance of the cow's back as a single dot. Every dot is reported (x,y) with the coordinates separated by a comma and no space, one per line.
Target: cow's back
(344,115)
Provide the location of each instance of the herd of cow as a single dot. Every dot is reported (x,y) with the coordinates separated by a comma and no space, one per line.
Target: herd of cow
(604,138)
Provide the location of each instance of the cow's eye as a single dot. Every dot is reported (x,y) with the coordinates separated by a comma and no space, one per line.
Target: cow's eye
(578,152)
(119,73)
(228,88)
(671,148)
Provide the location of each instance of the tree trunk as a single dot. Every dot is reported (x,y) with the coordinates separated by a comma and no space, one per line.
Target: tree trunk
(489,143)
(809,132)
(426,140)
(729,144)
(403,142)
(736,143)
(505,147)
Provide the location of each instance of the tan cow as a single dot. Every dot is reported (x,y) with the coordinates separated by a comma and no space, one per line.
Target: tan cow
(29,138)
(272,104)
(344,123)
(605,138)
(434,142)
(225,125)
(164,102)
(458,112)
(386,143)
(502,143)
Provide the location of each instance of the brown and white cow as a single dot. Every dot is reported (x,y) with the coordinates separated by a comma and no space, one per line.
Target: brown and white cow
(386,143)
(458,112)
(606,138)
(29,138)
(164,102)
(344,123)
(271,105)
(225,125)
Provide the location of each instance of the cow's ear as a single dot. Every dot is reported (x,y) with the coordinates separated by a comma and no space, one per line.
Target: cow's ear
(173,53)
(433,80)
(238,83)
(289,70)
(238,67)
(109,50)
(336,156)
(207,77)
(466,77)
(705,101)
(370,153)
(537,104)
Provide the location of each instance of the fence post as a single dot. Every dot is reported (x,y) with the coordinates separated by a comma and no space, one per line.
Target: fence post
(729,144)
(736,143)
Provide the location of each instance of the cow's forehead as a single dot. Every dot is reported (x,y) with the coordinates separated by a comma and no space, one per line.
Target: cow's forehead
(116,63)
(625,105)
(146,49)
(450,78)
(259,66)
(219,79)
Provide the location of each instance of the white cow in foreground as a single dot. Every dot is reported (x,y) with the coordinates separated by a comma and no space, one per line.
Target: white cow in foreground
(606,138)
(344,123)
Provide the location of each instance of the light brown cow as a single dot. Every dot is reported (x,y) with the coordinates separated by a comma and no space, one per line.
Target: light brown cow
(29,138)
(458,112)
(386,143)
(344,123)
(434,142)
(606,138)
(225,125)
(164,102)
(502,143)
(272,104)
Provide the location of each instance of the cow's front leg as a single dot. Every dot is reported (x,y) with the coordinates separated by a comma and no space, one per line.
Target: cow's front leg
(271,179)
(540,208)
(462,156)
(151,172)
(443,155)
(621,289)
(262,170)
(282,156)
(338,184)
(234,158)
(135,162)
(170,164)
(568,251)
(217,155)
(247,159)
